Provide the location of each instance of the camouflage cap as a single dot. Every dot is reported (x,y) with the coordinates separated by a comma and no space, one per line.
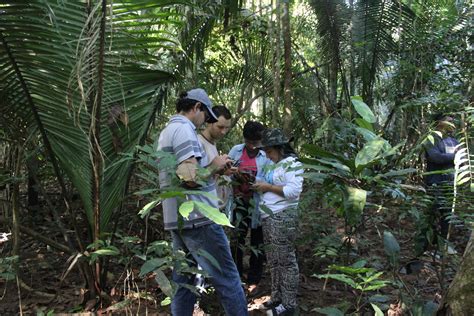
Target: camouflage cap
(273,137)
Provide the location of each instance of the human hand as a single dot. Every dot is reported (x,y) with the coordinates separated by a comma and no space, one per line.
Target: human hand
(231,171)
(246,176)
(261,186)
(221,162)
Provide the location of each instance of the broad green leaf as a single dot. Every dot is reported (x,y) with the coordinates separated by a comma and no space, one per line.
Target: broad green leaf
(186,208)
(371,277)
(377,310)
(329,311)
(360,263)
(367,134)
(363,109)
(266,210)
(317,152)
(390,243)
(208,256)
(363,124)
(338,167)
(166,302)
(351,270)
(339,277)
(316,167)
(354,203)
(164,283)
(151,265)
(147,208)
(391,247)
(172,194)
(369,153)
(213,214)
(109,251)
(376,285)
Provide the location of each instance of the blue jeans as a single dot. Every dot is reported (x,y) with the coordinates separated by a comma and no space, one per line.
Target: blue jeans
(226,281)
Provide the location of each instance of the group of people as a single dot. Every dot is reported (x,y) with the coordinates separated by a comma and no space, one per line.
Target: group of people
(258,184)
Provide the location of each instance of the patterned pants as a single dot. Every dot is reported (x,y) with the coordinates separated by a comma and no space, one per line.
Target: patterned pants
(279,234)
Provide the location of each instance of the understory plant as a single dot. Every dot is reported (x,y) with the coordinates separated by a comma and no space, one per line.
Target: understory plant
(159,257)
(363,169)
(363,280)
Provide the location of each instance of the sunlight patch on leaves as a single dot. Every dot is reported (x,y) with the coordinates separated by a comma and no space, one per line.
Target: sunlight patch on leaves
(363,109)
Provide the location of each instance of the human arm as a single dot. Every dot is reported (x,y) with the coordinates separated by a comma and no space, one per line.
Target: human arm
(262,186)
(291,183)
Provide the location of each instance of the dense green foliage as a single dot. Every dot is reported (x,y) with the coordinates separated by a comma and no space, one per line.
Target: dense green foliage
(84,83)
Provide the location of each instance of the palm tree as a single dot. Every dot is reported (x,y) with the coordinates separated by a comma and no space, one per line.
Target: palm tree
(86,76)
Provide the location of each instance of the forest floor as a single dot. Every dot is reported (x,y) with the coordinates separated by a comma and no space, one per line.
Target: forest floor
(413,284)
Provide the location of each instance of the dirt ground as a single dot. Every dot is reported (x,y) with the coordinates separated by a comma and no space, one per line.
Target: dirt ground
(40,291)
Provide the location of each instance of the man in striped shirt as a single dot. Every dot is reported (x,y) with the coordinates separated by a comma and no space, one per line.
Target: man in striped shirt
(197,232)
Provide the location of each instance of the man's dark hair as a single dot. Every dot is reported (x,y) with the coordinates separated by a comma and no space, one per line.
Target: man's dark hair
(184,104)
(253,130)
(221,110)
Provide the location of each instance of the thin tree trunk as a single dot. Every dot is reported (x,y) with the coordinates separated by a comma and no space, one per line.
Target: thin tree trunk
(287,55)
(275,118)
(17,154)
(97,162)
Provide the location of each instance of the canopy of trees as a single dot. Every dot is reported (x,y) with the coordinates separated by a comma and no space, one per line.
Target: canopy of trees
(85,86)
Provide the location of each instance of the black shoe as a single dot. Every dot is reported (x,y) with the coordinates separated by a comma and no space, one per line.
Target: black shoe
(281,310)
(271,304)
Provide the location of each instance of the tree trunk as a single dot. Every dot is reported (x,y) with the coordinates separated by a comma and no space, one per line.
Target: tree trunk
(275,117)
(287,55)
(459,299)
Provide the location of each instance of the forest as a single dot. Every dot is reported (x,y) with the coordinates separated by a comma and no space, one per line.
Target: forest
(363,90)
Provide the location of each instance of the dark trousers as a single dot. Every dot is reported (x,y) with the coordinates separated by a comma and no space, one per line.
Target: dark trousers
(437,221)
(243,222)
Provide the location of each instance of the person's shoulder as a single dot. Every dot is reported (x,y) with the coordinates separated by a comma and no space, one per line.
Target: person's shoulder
(202,139)
(238,147)
(292,162)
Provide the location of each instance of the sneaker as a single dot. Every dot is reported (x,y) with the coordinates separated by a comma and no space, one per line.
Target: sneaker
(270,304)
(281,311)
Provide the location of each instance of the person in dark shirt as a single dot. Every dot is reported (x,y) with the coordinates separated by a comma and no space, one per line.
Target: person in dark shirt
(440,152)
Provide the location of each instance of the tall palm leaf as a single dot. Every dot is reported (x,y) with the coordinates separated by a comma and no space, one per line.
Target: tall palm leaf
(333,18)
(379,26)
(82,73)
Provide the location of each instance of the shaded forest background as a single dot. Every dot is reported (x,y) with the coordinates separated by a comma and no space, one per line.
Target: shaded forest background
(86,86)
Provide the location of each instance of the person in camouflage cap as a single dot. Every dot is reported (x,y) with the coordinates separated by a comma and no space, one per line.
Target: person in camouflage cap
(273,137)
(280,192)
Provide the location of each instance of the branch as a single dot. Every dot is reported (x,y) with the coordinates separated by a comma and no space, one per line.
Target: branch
(41,237)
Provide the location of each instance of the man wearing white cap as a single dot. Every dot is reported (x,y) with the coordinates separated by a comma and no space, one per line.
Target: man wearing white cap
(197,232)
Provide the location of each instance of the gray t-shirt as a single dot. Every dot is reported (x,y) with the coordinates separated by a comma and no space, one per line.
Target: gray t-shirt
(179,137)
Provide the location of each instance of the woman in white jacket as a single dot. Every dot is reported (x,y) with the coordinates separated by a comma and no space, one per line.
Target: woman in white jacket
(279,203)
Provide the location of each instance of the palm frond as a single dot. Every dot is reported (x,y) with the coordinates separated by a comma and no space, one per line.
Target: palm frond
(56,49)
(379,27)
